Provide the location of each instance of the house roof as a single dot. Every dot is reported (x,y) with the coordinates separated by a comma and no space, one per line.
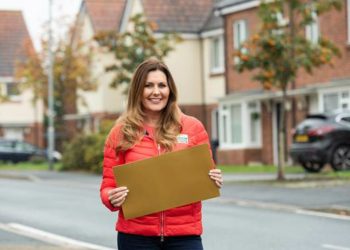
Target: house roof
(214,22)
(14,37)
(106,15)
(183,16)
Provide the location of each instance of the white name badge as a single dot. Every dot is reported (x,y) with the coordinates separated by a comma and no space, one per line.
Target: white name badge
(182,138)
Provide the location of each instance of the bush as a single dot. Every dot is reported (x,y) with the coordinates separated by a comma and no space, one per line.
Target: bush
(85,152)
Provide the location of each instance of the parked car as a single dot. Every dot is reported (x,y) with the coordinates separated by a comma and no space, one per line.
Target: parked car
(17,151)
(322,139)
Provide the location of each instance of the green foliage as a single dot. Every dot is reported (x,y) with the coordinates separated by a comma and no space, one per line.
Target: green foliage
(85,152)
(280,49)
(130,48)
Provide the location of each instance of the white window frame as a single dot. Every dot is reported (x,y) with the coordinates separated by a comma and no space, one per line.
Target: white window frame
(312,31)
(225,125)
(217,54)
(341,100)
(240,35)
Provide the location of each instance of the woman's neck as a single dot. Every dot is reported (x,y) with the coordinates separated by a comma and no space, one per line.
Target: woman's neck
(152,120)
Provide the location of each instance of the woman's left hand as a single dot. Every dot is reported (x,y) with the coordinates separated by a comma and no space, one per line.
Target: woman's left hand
(215,175)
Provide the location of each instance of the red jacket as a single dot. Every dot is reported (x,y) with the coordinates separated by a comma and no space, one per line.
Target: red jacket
(184,220)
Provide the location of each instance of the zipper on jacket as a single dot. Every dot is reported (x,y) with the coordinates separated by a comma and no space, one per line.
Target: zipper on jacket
(161,213)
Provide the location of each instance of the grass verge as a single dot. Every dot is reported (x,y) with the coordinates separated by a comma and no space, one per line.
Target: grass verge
(28,166)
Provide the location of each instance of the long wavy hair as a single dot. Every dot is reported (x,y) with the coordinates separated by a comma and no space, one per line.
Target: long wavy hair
(131,122)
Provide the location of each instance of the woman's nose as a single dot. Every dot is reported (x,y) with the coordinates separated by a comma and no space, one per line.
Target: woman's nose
(156,91)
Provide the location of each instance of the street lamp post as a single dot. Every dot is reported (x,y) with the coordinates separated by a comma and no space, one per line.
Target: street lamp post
(51,112)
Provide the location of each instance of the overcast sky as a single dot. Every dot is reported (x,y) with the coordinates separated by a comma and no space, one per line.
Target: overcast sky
(36,13)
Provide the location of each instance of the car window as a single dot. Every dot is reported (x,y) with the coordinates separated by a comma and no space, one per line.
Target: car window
(22,146)
(6,145)
(346,119)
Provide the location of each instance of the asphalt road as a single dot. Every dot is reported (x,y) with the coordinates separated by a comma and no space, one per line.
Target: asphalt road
(66,209)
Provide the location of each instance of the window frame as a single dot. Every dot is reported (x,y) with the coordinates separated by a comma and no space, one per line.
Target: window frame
(237,36)
(217,54)
(312,30)
(225,124)
(341,100)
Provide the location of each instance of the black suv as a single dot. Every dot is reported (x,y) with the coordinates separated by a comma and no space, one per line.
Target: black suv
(322,139)
(17,151)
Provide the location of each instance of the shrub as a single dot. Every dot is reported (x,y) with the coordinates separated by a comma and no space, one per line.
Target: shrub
(85,152)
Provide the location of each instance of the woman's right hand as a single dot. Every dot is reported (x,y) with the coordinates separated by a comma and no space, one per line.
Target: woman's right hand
(117,196)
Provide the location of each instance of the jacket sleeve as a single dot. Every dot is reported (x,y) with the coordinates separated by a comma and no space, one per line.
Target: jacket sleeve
(109,161)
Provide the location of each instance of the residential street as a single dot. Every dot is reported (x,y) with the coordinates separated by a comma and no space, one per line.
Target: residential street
(49,210)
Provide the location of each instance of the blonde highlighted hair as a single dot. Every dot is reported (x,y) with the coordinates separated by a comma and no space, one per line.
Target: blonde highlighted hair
(131,122)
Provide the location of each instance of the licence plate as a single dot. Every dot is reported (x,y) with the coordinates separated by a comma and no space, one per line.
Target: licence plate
(302,138)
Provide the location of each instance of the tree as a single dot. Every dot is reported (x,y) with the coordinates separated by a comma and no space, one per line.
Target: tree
(279,50)
(71,72)
(132,47)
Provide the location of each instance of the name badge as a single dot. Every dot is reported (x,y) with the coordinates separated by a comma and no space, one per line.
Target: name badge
(182,138)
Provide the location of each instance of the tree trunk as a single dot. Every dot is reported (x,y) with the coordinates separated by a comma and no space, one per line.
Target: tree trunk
(282,138)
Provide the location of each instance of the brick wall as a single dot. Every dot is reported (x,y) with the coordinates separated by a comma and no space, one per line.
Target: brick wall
(324,74)
(238,157)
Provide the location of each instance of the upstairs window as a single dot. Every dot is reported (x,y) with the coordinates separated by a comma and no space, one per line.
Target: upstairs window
(240,35)
(217,55)
(10,90)
(312,31)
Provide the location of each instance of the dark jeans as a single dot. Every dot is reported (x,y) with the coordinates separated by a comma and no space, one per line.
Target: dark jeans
(138,242)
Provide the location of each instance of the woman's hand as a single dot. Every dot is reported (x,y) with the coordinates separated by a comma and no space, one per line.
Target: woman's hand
(117,196)
(215,175)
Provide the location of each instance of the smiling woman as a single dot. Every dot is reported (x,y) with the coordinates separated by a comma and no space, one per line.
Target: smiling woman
(152,125)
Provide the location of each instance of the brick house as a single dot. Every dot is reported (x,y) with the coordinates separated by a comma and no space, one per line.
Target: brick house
(197,63)
(248,114)
(20,118)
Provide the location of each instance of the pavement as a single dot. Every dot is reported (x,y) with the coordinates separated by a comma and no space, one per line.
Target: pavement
(298,193)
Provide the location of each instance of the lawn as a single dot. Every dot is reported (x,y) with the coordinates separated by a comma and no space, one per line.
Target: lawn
(28,166)
(255,169)
(232,169)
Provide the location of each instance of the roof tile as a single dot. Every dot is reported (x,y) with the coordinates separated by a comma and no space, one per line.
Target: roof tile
(106,15)
(14,39)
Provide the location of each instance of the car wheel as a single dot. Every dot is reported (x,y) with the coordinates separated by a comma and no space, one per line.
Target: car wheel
(341,158)
(312,166)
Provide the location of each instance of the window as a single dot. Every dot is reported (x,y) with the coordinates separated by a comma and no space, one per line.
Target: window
(240,34)
(254,122)
(9,89)
(240,125)
(236,123)
(330,102)
(312,32)
(336,101)
(217,55)
(281,21)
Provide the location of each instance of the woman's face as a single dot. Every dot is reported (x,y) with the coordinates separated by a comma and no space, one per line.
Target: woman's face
(155,93)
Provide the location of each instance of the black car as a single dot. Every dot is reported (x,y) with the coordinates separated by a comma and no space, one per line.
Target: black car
(17,151)
(322,139)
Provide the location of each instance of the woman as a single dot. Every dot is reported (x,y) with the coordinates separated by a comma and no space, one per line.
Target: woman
(153,124)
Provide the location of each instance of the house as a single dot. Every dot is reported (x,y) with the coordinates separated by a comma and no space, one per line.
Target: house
(248,115)
(197,63)
(20,117)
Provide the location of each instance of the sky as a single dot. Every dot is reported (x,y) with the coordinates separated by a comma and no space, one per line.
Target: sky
(36,13)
